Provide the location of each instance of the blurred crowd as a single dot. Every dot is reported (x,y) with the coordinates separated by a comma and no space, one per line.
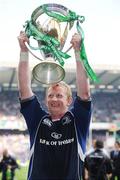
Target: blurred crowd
(9,104)
(106,105)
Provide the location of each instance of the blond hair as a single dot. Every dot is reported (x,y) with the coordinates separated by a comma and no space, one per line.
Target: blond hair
(62,84)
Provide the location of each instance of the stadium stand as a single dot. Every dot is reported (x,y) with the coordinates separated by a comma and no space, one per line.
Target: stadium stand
(106,105)
(13,133)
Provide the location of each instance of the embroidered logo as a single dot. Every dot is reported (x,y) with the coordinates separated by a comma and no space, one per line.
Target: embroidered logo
(47,122)
(56,135)
(66,120)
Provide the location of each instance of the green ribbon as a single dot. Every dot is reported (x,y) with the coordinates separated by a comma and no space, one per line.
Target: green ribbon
(52,44)
(83,56)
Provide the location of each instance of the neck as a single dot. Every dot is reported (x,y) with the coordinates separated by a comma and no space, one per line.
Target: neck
(57,116)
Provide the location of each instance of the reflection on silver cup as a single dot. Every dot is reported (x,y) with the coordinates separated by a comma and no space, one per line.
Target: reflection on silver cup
(48,72)
(50,40)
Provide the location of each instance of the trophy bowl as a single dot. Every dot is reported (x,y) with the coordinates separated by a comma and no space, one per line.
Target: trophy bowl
(48,72)
(51,38)
(47,35)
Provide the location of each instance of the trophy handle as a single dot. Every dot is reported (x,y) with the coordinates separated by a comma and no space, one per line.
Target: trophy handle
(28,47)
(69,49)
(47,72)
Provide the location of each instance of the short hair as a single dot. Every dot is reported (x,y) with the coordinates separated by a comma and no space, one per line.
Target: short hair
(99,144)
(62,84)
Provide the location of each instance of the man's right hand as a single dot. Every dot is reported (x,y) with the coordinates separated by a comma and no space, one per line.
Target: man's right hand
(22,38)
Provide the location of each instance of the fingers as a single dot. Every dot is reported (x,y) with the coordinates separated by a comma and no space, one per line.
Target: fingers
(76,41)
(76,37)
(22,38)
(22,32)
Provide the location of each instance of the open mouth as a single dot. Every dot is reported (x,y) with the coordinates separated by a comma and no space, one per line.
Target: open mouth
(55,105)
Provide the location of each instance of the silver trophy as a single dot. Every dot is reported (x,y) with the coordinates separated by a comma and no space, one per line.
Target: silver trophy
(45,28)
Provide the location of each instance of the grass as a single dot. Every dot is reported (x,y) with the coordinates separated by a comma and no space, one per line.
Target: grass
(20,174)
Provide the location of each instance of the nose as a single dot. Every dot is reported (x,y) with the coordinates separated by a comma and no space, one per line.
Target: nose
(54,98)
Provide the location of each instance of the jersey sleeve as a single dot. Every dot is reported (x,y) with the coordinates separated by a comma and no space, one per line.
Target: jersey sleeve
(32,112)
(82,113)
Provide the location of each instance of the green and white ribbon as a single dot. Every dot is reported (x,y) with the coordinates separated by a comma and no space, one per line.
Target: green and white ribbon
(83,56)
(52,45)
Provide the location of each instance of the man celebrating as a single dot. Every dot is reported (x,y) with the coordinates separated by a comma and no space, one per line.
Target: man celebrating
(57,137)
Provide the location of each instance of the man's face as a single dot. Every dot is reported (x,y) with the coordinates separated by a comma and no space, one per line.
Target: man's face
(57,100)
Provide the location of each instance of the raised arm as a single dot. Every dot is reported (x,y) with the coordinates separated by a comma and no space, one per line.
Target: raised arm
(24,78)
(82,81)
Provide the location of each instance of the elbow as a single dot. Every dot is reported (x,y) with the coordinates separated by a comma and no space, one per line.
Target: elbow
(85,96)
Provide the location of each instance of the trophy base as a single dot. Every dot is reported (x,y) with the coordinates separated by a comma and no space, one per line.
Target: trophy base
(48,72)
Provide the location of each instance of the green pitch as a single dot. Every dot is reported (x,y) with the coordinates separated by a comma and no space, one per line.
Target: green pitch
(20,174)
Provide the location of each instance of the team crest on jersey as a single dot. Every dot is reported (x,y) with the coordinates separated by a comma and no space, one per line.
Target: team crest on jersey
(66,120)
(56,135)
(47,122)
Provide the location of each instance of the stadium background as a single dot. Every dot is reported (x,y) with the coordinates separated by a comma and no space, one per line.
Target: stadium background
(102,27)
(105,118)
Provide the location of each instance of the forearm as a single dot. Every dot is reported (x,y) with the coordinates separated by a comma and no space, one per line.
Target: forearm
(24,78)
(82,81)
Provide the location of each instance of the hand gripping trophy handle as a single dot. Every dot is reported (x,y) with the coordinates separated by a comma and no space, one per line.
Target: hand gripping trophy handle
(48,71)
(50,44)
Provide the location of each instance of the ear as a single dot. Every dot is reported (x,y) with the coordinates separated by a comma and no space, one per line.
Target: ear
(70,100)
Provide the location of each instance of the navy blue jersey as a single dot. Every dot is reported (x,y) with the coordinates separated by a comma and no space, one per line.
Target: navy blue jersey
(57,148)
(98,165)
